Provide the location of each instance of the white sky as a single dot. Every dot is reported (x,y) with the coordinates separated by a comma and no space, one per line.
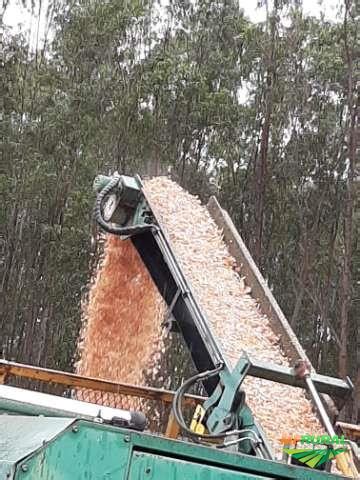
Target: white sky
(311,7)
(19,18)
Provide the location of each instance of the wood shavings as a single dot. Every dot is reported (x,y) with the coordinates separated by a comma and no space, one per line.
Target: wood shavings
(123,336)
(232,313)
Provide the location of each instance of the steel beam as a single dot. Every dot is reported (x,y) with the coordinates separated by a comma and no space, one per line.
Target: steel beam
(25,402)
(48,375)
(334,387)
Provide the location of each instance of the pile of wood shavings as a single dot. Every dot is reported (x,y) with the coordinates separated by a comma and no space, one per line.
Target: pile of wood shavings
(122,339)
(232,313)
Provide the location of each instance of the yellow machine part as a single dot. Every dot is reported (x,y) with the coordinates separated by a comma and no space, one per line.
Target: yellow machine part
(196,424)
(345,464)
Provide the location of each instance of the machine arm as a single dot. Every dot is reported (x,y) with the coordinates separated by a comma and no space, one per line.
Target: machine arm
(121,199)
(123,209)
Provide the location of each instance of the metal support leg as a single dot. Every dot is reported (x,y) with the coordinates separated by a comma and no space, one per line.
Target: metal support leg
(344,461)
(167,323)
(172,428)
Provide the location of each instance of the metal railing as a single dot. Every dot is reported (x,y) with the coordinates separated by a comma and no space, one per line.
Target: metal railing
(100,391)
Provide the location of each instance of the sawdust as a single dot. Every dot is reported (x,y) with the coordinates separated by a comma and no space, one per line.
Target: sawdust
(122,336)
(123,339)
(233,314)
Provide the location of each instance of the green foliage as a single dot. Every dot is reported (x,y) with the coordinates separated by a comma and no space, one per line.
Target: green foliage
(124,86)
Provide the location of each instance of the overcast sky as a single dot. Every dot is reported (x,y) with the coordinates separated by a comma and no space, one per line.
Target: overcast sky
(18,17)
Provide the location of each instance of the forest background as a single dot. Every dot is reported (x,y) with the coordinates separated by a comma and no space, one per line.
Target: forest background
(264,114)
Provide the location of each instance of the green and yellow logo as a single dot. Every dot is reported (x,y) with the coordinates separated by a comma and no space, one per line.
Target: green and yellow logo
(313,457)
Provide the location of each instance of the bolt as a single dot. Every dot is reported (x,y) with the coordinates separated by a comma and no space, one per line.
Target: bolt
(24,467)
(75,429)
(148,470)
(126,438)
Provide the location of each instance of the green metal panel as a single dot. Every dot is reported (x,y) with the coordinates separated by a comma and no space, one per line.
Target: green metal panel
(22,435)
(82,452)
(91,451)
(220,458)
(146,466)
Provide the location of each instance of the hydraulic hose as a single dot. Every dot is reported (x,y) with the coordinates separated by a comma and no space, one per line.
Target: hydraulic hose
(178,411)
(116,230)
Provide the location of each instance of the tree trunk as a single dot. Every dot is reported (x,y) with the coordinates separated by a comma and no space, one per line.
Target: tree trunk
(346,280)
(261,164)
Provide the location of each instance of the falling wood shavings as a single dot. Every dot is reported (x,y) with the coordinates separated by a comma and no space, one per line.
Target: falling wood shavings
(123,335)
(232,313)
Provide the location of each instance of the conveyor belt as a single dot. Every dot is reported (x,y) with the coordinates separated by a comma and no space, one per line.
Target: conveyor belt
(153,247)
